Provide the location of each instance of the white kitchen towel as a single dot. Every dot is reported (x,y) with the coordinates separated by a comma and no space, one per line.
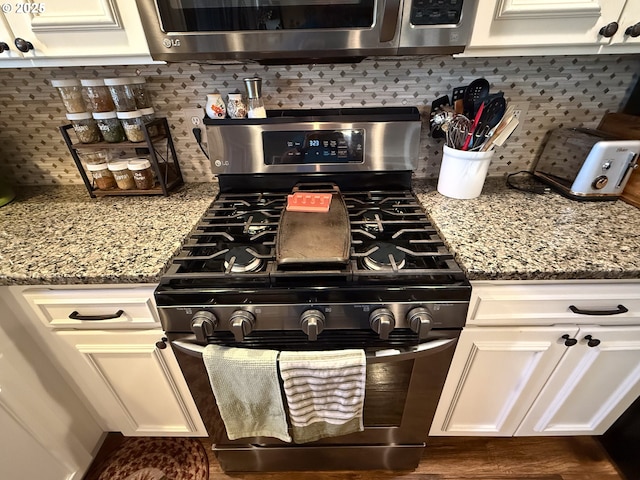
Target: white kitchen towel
(324,392)
(246,387)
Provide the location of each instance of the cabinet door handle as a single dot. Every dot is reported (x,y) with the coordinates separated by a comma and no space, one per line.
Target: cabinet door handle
(609,30)
(162,343)
(77,316)
(23,45)
(569,342)
(591,342)
(620,309)
(4,47)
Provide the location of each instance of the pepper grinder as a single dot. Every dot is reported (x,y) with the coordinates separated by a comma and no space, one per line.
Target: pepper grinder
(254,94)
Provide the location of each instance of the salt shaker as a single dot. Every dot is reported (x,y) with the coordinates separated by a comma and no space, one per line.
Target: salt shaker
(215,107)
(254,92)
(236,107)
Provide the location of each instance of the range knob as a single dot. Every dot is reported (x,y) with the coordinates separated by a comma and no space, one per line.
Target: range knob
(241,324)
(600,182)
(203,324)
(312,323)
(382,322)
(420,320)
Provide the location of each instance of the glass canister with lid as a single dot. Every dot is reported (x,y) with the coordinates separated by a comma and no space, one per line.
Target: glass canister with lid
(70,92)
(122,174)
(85,127)
(98,94)
(102,176)
(110,126)
(142,173)
(140,92)
(132,123)
(121,93)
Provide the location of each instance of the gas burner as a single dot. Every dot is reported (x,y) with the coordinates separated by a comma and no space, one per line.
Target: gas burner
(241,260)
(255,222)
(381,258)
(373,222)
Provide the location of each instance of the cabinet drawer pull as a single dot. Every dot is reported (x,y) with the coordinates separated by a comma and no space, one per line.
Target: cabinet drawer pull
(568,341)
(77,316)
(592,342)
(620,309)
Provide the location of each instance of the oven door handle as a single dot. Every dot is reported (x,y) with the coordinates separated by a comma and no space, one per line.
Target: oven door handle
(189,346)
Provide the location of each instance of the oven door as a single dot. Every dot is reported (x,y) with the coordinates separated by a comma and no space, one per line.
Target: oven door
(181,30)
(401,396)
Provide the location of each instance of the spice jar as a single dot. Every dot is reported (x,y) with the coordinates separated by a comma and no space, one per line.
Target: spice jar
(71,95)
(121,93)
(122,174)
(102,176)
(85,127)
(142,173)
(98,95)
(140,92)
(148,115)
(110,126)
(96,157)
(132,123)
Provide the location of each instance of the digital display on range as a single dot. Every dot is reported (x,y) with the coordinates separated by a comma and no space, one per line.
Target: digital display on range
(313,147)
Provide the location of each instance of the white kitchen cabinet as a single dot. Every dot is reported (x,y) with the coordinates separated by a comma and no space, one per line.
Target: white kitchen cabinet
(133,381)
(548,27)
(45,430)
(108,341)
(527,364)
(67,33)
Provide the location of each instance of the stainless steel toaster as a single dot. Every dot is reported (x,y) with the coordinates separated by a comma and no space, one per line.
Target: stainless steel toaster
(586,164)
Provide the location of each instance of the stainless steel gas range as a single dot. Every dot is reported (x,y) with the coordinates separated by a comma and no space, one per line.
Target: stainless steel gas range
(366,270)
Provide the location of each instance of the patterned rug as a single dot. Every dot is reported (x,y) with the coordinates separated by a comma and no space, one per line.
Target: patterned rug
(177,458)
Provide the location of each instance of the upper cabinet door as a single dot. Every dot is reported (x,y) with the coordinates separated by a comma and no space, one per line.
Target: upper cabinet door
(77,28)
(9,51)
(569,26)
(627,37)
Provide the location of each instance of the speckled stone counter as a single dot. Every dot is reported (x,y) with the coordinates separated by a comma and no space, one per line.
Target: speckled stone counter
(505,234)
(59,235)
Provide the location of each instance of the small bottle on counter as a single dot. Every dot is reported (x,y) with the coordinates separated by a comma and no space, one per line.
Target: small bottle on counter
(142,173)
(132,123)
(140,92)
(110,126)
(102,176)
(98,94)
(122,174)
(85,127)
(122,93)
(70,92)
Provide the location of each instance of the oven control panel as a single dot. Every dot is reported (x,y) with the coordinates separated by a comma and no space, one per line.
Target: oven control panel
(314,319)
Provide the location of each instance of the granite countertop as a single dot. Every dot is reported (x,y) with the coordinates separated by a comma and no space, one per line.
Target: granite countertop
(506,234)
(60,235)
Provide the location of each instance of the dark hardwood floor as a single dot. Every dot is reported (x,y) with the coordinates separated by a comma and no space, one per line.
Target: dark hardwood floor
(476,458)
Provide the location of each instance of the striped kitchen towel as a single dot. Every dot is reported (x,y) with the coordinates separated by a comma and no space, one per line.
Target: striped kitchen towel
(324,392)
(246,388)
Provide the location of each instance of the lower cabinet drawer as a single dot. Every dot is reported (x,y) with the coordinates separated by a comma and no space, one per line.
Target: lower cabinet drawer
(99,308)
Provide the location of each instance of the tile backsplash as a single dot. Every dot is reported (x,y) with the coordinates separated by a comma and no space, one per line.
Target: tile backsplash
(560,91)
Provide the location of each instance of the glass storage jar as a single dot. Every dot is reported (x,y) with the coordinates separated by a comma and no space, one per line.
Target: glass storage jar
(85,127)
(142,173)
(110,126)
(71,95)
(140,92)
(122,93)
(149,114)
(132,123)
(122,174)
(102,176)
(98,94)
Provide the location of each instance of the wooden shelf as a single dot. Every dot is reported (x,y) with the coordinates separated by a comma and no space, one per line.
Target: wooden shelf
(167,170)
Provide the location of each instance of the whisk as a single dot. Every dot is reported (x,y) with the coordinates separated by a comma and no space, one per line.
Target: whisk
(456,131)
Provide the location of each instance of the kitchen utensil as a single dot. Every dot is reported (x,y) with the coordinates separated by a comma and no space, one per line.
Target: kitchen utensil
(491,116)
(457,130)
(456,99)
(473,127)
(474,94)
(506,132)
(319,238)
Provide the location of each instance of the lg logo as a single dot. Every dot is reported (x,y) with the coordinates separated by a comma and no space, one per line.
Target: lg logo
(171,42)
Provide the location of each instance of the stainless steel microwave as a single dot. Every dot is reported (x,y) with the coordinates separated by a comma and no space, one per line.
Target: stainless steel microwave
(309,30)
